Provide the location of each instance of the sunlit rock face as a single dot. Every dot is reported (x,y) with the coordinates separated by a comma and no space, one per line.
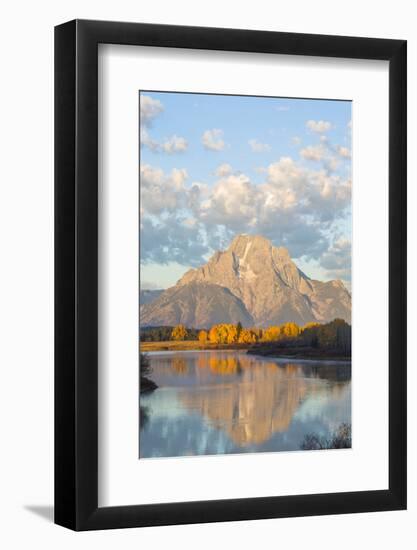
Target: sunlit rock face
(268,285)
(196,305)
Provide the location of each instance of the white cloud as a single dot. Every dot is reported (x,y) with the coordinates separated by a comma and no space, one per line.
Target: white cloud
(213,140)
(331,164)
(296,140)
(171,241)
(174,144)
(311,194)
(258,147)
(318,126)
(233,198)
(343,151)
(148,285)
(160,192)
(223,170)
(337,260)
(149,109)
(325,152)
(293,206)
(190,222)
(147,141)
(313,152)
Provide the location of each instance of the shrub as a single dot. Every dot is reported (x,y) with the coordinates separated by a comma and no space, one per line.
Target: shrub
(144,364)
(340,439)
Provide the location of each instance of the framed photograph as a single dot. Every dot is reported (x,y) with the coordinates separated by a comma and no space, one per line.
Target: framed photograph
(230,244)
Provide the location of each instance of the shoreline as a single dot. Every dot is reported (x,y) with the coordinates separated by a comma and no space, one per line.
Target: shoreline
(146,385)
(308,354)
(306,359)
(265,352)
(189,345)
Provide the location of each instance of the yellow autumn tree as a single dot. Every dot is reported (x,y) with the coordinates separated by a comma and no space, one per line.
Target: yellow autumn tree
(231,334)
(213,334)
(223,334)
(257,333)
(271,334)
(311,324)
(179,333)
(247,336)
(203,336)
(290,330)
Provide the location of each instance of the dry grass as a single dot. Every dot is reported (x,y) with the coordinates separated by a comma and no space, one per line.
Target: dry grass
(186,345)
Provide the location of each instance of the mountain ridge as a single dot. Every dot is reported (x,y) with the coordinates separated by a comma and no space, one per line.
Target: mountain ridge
(196,305)
(268,285)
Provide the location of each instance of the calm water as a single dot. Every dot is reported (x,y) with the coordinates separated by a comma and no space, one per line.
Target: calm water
(216,402)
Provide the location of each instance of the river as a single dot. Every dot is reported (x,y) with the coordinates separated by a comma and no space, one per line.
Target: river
(217,402)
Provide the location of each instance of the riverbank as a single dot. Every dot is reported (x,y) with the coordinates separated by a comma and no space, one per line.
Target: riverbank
(302,353)
(147,385)
(263,349)
(188,345)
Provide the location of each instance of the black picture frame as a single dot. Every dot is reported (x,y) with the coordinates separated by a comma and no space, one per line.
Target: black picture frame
(76,272)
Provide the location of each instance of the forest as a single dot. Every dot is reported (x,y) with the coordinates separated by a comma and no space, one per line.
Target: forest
(335,335)
(165,333)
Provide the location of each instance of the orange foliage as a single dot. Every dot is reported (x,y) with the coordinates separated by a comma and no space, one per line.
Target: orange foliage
(223,334)
(290,330)
(271,333)
(179,333)
(247,336)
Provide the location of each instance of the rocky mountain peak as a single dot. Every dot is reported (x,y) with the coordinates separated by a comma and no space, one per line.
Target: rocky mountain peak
(283,252)
(251,261)
(269,285)
(242,242)
(245,246)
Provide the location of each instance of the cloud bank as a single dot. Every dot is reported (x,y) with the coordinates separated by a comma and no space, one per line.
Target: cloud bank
(294,206)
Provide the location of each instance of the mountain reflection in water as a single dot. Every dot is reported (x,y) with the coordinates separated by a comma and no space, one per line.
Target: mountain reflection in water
(217,402)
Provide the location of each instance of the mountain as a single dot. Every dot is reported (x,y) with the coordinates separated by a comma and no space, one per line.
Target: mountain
(198,305)
(148,296)
(264,287)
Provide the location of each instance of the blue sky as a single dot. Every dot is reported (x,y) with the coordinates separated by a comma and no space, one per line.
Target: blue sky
(214,165)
